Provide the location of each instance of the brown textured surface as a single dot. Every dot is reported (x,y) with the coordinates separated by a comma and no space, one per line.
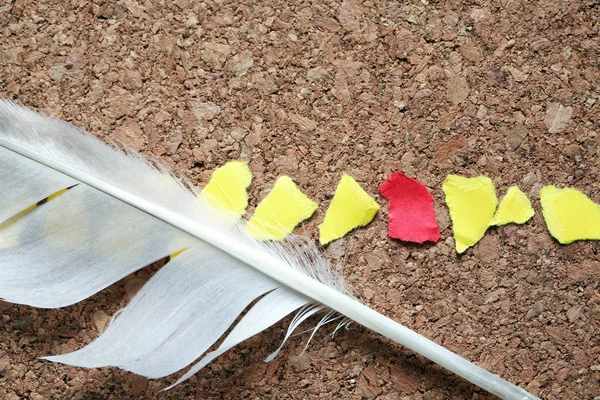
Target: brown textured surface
(509,89)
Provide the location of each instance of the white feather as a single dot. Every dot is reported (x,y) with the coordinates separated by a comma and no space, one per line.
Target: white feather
(78,244)
(35,182)
(191,301)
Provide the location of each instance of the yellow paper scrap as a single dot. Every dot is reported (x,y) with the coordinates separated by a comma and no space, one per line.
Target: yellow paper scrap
(227,189)
(350,208)
(472,202)
(515,207)
(278,214)
(570,215)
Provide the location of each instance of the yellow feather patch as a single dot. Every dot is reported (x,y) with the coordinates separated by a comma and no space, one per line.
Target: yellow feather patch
(350,208)
(227,189)
(31,207)
(278,214)
(56,194)
(173,255)
(109,244)
(77,235)
(11,231)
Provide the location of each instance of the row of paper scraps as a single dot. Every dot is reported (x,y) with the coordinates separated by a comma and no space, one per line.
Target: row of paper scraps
(569,214)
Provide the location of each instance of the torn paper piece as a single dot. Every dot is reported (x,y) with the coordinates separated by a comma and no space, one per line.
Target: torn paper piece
(278,214)
(515,207)
(227,189)
(570,215)
(411,213)
(350,208)
(472,202)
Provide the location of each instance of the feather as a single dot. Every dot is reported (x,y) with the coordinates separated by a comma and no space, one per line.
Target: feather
(123,212)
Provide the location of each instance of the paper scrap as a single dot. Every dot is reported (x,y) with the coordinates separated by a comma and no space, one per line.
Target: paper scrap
(278,214)
(570,215)
(472,202)
(350,208)
(227,189)
(411,213)
(515,207)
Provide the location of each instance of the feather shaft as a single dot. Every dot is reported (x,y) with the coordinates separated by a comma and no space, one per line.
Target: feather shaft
(297,281)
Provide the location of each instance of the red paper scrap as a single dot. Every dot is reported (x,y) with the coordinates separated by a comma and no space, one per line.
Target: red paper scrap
(411,213)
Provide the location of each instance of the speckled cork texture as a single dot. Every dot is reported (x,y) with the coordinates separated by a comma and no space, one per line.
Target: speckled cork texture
(312,89)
